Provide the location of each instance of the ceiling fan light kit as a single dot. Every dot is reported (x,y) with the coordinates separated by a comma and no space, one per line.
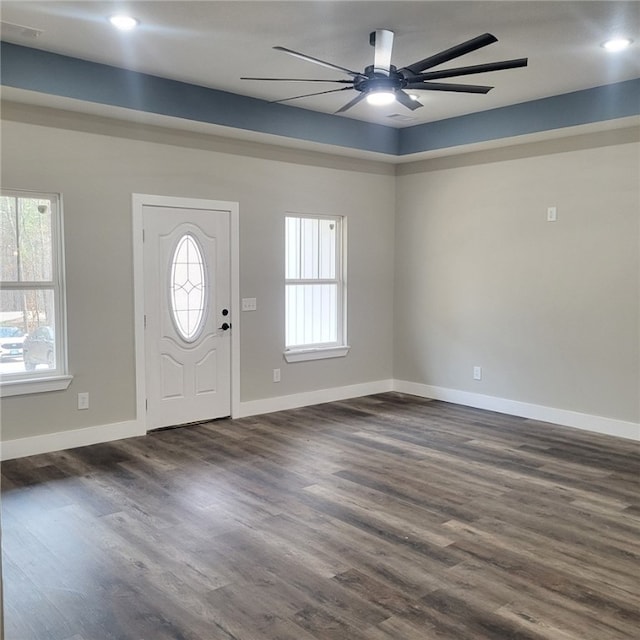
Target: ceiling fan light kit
(380,98)
(382,83)
(124,22)
(617,44)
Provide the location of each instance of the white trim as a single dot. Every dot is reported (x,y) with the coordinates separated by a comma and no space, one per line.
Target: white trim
(234,248)
(34,385)
(308,398)
(138,202)
(34,445)
(315,353)
(584,421)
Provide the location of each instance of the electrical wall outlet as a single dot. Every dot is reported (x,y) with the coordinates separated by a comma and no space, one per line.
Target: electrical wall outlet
(477,373)
(83,401)
(552,214)
(276,375)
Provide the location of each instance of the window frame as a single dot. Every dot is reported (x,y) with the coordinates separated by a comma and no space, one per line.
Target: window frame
(339,348)
(57,379)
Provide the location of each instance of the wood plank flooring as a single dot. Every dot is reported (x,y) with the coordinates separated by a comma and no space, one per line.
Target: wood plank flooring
(388,517)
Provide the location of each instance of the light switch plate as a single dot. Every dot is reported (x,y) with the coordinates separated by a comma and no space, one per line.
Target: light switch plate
(249,304)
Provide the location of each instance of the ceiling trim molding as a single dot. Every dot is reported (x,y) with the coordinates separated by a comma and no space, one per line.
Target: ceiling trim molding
(629,134)
(45,72)
(599,104)
(57,118)
(50,73)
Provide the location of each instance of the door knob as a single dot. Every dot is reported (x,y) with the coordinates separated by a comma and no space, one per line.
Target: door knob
(225,326)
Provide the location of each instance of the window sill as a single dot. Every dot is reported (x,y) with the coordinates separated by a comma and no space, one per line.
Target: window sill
(318,353)
(34,385)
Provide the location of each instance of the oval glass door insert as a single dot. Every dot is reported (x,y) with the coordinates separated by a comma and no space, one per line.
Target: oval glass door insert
(188,288)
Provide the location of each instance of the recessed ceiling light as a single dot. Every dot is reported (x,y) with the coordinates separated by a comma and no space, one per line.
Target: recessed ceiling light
(380,98)
(617,44)
(124,23)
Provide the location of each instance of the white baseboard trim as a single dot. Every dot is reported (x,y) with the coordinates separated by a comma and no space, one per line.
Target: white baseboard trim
(10,449)
(19,448)
(587,422)
(308,398)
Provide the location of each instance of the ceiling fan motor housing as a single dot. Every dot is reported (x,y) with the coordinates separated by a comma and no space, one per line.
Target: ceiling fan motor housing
(373,81)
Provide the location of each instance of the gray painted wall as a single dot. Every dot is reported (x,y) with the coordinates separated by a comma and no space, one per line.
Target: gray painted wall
(459,247)
(550,310)
(97,175)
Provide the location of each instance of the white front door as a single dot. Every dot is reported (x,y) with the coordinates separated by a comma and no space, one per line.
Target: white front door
(187,321)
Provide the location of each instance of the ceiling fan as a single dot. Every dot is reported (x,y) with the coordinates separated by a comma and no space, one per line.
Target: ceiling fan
(382,83)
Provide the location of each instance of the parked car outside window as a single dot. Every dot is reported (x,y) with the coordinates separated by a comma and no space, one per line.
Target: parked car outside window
(39,348)
(11,341)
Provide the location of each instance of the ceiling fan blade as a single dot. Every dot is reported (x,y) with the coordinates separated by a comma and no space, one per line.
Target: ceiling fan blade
(441,86)
(382,40)
(406,100)
(308,95)
(467,71)
(449,54)
(322,63)
(351,103)
(298,80)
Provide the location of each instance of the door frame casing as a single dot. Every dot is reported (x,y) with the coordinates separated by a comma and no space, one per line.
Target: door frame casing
(138,202)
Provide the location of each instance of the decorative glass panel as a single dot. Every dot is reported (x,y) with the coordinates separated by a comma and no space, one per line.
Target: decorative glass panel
(188,288)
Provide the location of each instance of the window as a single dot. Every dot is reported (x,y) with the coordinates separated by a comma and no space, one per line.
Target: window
(314,288)
(32,332)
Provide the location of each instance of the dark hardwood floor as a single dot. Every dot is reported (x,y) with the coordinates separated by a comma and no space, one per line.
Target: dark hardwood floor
(382,518)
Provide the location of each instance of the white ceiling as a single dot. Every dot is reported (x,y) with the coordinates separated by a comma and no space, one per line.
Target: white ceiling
(213,44)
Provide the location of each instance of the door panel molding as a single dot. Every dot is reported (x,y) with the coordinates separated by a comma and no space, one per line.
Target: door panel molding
(139,203)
